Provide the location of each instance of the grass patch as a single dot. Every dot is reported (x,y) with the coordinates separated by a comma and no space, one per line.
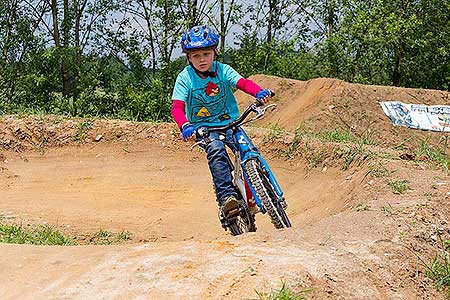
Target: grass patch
(105,237)
(35,235)
(51,236)
(350,154)
(314,148)
(387,209)
(363,206)
(285,293)
(294,146)
(377,169)
(399,186)
(275,131)
(316,158)
(82,130)
(337,135)
(439,267)
(435,154)
(402,145)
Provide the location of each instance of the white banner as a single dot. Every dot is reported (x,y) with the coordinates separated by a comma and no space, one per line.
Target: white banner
(418,116)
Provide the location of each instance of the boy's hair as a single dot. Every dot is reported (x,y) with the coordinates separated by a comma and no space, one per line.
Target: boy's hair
(199,37)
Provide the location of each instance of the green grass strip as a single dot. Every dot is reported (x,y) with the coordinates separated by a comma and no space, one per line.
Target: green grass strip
(34,235)
(284,293)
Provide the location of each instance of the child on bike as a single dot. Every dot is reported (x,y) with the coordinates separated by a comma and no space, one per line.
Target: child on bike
(203,96)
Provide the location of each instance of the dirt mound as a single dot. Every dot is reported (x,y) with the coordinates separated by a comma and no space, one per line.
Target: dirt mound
(364,219)
(41,132)
(317,104)
(330,103)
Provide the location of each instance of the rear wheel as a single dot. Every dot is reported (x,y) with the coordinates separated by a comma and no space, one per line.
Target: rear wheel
(266,194)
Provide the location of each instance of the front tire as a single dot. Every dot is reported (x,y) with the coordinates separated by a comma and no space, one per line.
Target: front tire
(266,194)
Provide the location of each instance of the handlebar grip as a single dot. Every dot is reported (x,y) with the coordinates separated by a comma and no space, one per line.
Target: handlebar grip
(258,103)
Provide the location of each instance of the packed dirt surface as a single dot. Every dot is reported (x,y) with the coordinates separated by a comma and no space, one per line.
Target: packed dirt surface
(352,236)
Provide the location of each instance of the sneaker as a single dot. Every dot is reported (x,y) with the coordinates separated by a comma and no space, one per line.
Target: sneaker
(230,207)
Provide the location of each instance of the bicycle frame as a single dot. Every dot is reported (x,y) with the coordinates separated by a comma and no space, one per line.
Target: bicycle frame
(244,150)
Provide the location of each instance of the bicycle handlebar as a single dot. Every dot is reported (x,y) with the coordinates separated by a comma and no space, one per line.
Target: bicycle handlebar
(254,107)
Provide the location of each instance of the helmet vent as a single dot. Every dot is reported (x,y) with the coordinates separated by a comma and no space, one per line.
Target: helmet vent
(199,37)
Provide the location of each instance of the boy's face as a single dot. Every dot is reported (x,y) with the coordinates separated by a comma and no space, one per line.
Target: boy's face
(202,59)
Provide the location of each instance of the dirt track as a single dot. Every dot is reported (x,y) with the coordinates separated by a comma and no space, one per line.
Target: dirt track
(162,193)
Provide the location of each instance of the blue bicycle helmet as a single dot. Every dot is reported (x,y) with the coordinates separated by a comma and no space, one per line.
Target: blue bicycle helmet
(199,37)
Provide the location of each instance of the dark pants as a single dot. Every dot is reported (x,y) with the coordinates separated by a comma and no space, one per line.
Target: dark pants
(219,165)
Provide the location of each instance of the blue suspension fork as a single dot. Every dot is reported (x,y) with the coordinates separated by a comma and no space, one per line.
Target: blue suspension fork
(249,151)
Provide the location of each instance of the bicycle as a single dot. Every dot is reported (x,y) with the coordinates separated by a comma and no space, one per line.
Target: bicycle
(255,184)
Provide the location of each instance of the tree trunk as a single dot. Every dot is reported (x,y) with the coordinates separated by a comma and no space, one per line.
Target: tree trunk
(165,50)
(222,28)
(270,21)
(330,18)
(9,27)
(147,15)
(60,47)
(56,36)
(77,15)
(193,13)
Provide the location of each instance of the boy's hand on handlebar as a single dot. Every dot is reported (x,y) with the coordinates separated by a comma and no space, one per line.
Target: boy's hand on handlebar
(188,130)
(263,96)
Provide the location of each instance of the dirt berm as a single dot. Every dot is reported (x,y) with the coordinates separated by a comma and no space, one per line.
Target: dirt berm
(354,235)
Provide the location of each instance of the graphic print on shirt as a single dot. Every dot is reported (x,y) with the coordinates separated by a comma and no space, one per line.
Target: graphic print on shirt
(212,89)
(208,104)
(203,112)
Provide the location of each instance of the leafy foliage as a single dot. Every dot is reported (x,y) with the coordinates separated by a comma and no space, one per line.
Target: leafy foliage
(118,59)
(391,43)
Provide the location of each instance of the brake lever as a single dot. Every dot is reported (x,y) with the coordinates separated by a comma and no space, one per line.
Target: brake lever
(196,144)
(270,106)
(260,111)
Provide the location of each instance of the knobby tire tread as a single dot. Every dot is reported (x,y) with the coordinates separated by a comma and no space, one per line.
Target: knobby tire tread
(235,229)
(257,182)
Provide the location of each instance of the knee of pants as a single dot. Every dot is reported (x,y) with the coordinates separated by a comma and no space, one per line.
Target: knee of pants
(216,149)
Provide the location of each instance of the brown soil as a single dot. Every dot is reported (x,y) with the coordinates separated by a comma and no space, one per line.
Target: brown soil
(352,238)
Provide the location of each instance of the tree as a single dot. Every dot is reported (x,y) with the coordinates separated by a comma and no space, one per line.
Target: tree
(270,23)
(72,26)
(17,42)
(398,43)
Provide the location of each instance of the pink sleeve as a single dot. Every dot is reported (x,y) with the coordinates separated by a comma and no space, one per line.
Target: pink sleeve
(248,86)
(178,112)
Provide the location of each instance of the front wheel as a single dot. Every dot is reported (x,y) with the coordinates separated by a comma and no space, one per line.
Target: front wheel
(266,194)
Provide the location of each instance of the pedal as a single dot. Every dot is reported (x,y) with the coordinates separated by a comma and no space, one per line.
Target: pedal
(230,209)
(232,214)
